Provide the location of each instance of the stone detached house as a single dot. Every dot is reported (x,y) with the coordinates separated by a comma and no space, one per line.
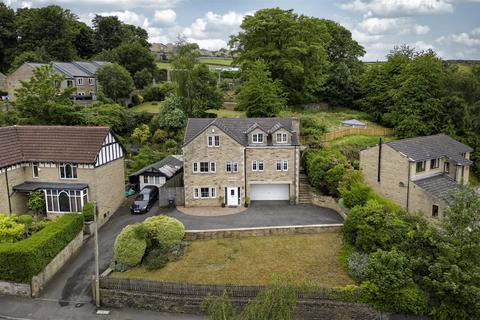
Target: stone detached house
(240,159)
(78,74)
(419,174)
(70,165)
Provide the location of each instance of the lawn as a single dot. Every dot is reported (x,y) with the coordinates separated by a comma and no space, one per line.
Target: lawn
(211,62)
(254,261)
(359,140)
(332,117)
(226,113)
(149,107)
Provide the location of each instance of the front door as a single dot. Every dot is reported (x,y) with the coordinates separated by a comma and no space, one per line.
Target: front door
(232,197)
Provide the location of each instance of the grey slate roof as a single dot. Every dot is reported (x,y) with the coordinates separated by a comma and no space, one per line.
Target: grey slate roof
(166,167)
(432,147)
(353,122)
(34,186)
(237,128)
(74,68)
(439,186)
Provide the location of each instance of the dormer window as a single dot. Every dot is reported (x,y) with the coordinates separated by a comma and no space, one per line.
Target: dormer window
(282,138)
(68,171)
(213,140)
(434,163)
(421,166)
(257,138)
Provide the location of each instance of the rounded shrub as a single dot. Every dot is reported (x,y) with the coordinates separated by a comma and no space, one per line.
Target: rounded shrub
(88,211)
(357,195)
(165,231)
(129,248)
(25,219)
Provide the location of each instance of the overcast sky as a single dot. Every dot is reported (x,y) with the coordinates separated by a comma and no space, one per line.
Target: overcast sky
(450,27)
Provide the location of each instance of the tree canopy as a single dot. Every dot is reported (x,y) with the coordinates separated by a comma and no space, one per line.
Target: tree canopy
(115,80)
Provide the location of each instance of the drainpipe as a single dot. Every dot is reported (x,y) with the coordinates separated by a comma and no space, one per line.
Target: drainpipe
(245,173)
(295,174)
(8,192)
(408,184)
(379,159)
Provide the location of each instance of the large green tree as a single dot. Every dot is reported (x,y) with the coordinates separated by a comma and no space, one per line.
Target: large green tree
(259,95)
(8,36)
(116,81)
(293,46)
(134,57)
(41,100)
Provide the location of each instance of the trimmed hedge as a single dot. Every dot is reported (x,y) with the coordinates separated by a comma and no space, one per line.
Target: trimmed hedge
(20,261)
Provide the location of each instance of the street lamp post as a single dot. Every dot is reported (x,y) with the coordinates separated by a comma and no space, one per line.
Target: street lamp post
(97,267)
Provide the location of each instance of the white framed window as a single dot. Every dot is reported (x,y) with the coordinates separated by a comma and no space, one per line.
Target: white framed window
(213,167)
(65,200)
(235,167)
(196,194)
(260,165)
(213,192)
(434,163)
(35,169)
(231,167)
(204,167)
(213,140)
(68,171)
(204,192)
(69,83)
(257,138)
(282,137)
(228,167)
(91,81)
(145,179)
(195,167)
(279,165)
(79,81)
(285,165)
(254,165)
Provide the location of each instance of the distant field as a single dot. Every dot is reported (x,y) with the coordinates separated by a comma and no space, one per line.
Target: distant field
(211,62)
(225,113)
(148,107)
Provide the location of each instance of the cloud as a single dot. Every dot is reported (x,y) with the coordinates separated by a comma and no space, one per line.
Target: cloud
(392,26)
(471,39)
(209,44)
(213,25)
(126,16)
(122,4)
(396,8)
(165,17)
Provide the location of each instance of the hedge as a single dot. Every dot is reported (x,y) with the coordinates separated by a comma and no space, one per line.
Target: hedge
(20,261)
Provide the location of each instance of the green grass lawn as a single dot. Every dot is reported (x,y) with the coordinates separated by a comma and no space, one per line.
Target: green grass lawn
(149,107)
(216,61)
(254,261)
(226,113)
(333,117)
(358,140)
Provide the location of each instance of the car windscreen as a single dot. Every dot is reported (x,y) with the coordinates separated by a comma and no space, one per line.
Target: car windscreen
(142,197)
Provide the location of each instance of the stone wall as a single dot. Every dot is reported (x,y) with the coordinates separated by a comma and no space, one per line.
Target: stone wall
(38,282)
(327,202)
(306,309)
(191,235)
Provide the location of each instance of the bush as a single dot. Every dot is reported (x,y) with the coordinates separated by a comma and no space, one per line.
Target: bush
(170,143)
(333,177)
(137,99)
(36,202)
(25,219)
(10,229)
(156,259)
(20,261)
(164,231)
(158,92)
(357,195)
(88,211)
(309,126)
(319,162)
(129,249)
(159,136)
(356,263)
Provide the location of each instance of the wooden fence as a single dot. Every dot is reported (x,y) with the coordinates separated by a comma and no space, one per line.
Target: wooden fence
(204,290)
(332,135)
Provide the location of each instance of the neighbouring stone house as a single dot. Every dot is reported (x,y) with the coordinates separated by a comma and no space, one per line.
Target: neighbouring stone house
(419,174)
(159,173)
(70,165)
(240,159)
(78,74)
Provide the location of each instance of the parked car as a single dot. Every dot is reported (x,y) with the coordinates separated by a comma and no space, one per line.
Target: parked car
(145,200)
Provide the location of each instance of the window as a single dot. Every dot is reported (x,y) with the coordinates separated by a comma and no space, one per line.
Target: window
(260,165)
(65,200)
(434,163)
(204,192)
(91,81)
(69,83)
(257,138)
(80,81)
(421,166)
(204,167)
(35,169)
(235,167)
(229,167)
(213,140)
(281,137)
(68,171)
(145,179)
(282,165)
(446,167)
(434,211)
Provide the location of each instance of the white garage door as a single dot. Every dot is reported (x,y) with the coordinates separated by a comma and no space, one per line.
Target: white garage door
(269,192)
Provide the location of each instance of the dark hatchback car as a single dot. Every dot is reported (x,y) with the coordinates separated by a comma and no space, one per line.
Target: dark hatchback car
(145,200)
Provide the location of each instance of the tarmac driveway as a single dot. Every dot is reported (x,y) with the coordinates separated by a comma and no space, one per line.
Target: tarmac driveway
(261,214)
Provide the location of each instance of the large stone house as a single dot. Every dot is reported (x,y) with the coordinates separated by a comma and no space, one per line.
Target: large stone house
(240,159)
(70,165)
(419,174)
(78,74)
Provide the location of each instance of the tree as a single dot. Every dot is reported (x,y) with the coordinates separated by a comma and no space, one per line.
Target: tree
(41,100)
(294,48)
(134,57)
(84,40)
(8,36)
(50,28)
(196,84)
(28,56)
(171,116)
(259,95)
(112,115)
(142,78)
(142,134)
(115,80)
(108,32)
(36,203)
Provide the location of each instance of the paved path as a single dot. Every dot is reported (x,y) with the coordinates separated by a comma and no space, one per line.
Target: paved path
(261,214)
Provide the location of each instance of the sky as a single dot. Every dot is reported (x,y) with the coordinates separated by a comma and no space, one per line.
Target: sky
(450,27)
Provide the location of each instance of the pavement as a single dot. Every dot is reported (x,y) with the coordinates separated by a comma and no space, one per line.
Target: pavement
(69,295)
(261,214)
